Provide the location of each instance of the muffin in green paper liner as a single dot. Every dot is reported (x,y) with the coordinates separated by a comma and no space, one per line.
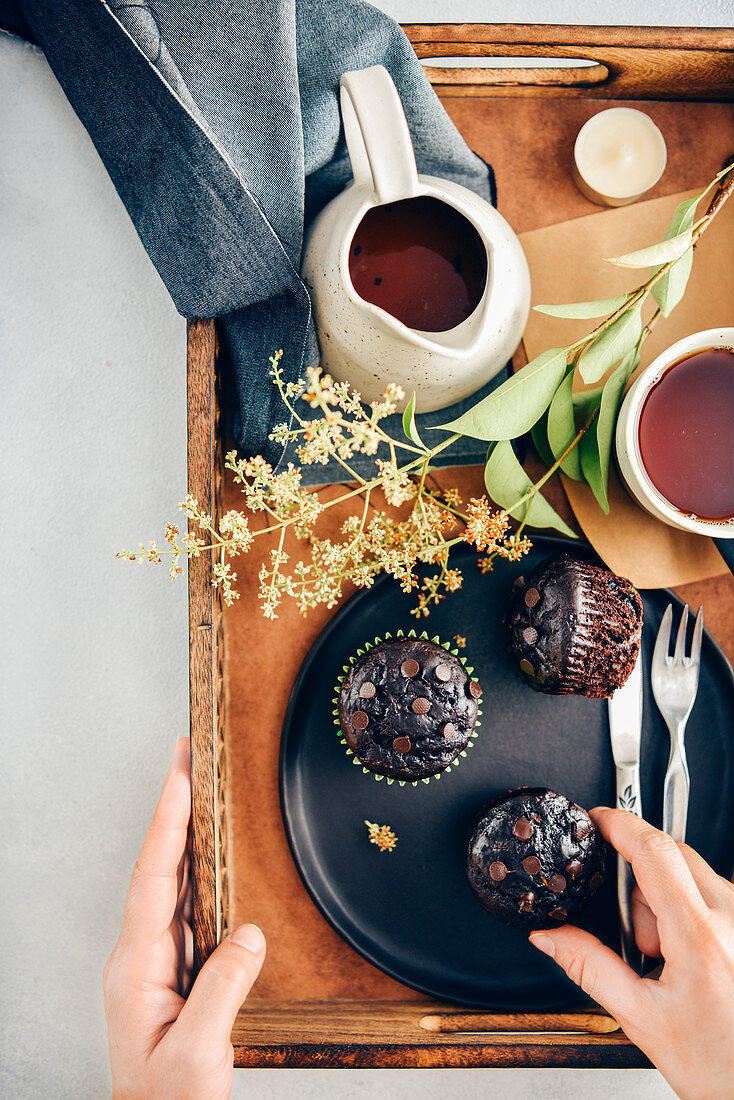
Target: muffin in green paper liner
(407,707)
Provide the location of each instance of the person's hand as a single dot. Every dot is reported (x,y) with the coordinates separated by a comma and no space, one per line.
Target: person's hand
(163,1044)
(683,912)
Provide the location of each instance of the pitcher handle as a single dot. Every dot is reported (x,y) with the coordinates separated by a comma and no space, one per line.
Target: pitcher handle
(377,134)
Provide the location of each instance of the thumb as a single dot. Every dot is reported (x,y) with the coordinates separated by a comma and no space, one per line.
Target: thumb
(599,971)
(221,986)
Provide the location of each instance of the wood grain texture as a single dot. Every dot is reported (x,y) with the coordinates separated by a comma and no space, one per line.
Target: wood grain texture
(317,1002)
(205,626)
(628,62)
(393,1033)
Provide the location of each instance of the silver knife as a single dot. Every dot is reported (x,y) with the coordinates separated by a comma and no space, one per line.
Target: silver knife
(625,728)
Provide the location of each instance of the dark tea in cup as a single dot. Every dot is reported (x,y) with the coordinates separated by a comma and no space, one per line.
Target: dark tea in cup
(686,434)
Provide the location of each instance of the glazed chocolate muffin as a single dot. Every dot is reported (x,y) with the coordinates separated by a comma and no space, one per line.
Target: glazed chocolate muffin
(407,708)
(535,859)
(575,628)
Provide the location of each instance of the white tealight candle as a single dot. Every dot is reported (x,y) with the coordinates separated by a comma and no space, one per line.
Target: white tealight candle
(619,155)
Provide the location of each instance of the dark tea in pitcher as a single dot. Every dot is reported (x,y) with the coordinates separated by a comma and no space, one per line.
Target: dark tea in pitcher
(686,434)
(421,261)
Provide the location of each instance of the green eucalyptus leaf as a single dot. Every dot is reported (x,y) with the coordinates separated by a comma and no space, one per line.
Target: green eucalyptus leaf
(584,310)
(409,427)
(515,406)
(662,253)
(585,401)
(562,428)
(684,215)
(506,482)
(539,433)
(671,288)
(611,345)
(595,447)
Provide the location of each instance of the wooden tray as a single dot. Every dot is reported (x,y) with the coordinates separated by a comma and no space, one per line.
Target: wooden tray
(317,1003)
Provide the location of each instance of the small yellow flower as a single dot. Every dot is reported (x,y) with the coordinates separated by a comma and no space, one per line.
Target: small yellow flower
(382,836)
(452,580)
(460,641)
(485,528)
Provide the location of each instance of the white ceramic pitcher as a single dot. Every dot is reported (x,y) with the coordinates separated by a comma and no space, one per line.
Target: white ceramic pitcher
(361,342)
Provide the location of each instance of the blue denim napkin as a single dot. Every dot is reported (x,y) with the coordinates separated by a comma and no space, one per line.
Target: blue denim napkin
(218,121)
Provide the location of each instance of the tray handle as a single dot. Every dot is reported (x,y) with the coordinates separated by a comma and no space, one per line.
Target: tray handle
(552,76)
(537,1022)
(682,63)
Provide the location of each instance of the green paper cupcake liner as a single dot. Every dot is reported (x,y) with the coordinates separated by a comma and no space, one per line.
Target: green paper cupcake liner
(469,669)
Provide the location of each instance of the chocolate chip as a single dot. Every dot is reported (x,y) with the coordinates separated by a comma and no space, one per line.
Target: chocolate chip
(557,884)
(420,706)
(443,673)
(448,729)
(531,864)
(559,913)
(367,690)
(401,744)
(526,667)
(522,829)
(474,689)
(531,597)
(581,830)
(530,635)
(519,582)
(360,721)
(574,868)
(497,871)
(410,668)
(596,881)
(526,902)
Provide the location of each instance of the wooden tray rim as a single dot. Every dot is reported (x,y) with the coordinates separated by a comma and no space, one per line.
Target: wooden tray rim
(381,1034)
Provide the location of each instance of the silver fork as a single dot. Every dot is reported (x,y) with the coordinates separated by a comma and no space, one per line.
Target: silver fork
(674,685)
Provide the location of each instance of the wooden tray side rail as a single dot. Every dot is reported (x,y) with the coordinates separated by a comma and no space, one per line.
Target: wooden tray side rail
(423,1035)
(625,62)
(206,651)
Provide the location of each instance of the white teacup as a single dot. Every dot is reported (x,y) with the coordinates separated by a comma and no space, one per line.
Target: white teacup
(629,457)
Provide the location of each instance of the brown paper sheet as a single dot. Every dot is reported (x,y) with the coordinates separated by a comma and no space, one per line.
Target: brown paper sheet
(567,265)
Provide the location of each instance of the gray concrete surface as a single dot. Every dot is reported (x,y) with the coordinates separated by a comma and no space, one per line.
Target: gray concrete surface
(93,664)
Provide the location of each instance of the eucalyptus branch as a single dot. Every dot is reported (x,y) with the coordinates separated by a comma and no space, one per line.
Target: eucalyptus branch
(638,295)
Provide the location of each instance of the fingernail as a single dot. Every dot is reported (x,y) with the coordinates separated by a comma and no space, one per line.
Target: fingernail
(250,937)
(543,943)
(180,759)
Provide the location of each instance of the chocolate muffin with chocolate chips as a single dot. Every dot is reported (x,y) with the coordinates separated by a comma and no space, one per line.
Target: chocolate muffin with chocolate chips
(407,708)
(575,628)
(535,859)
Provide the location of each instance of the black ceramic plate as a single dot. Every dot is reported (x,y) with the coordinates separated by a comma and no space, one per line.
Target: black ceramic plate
(411,912)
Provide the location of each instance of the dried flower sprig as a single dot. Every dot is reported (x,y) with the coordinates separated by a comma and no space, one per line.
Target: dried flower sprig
(420,525)
(382,836)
